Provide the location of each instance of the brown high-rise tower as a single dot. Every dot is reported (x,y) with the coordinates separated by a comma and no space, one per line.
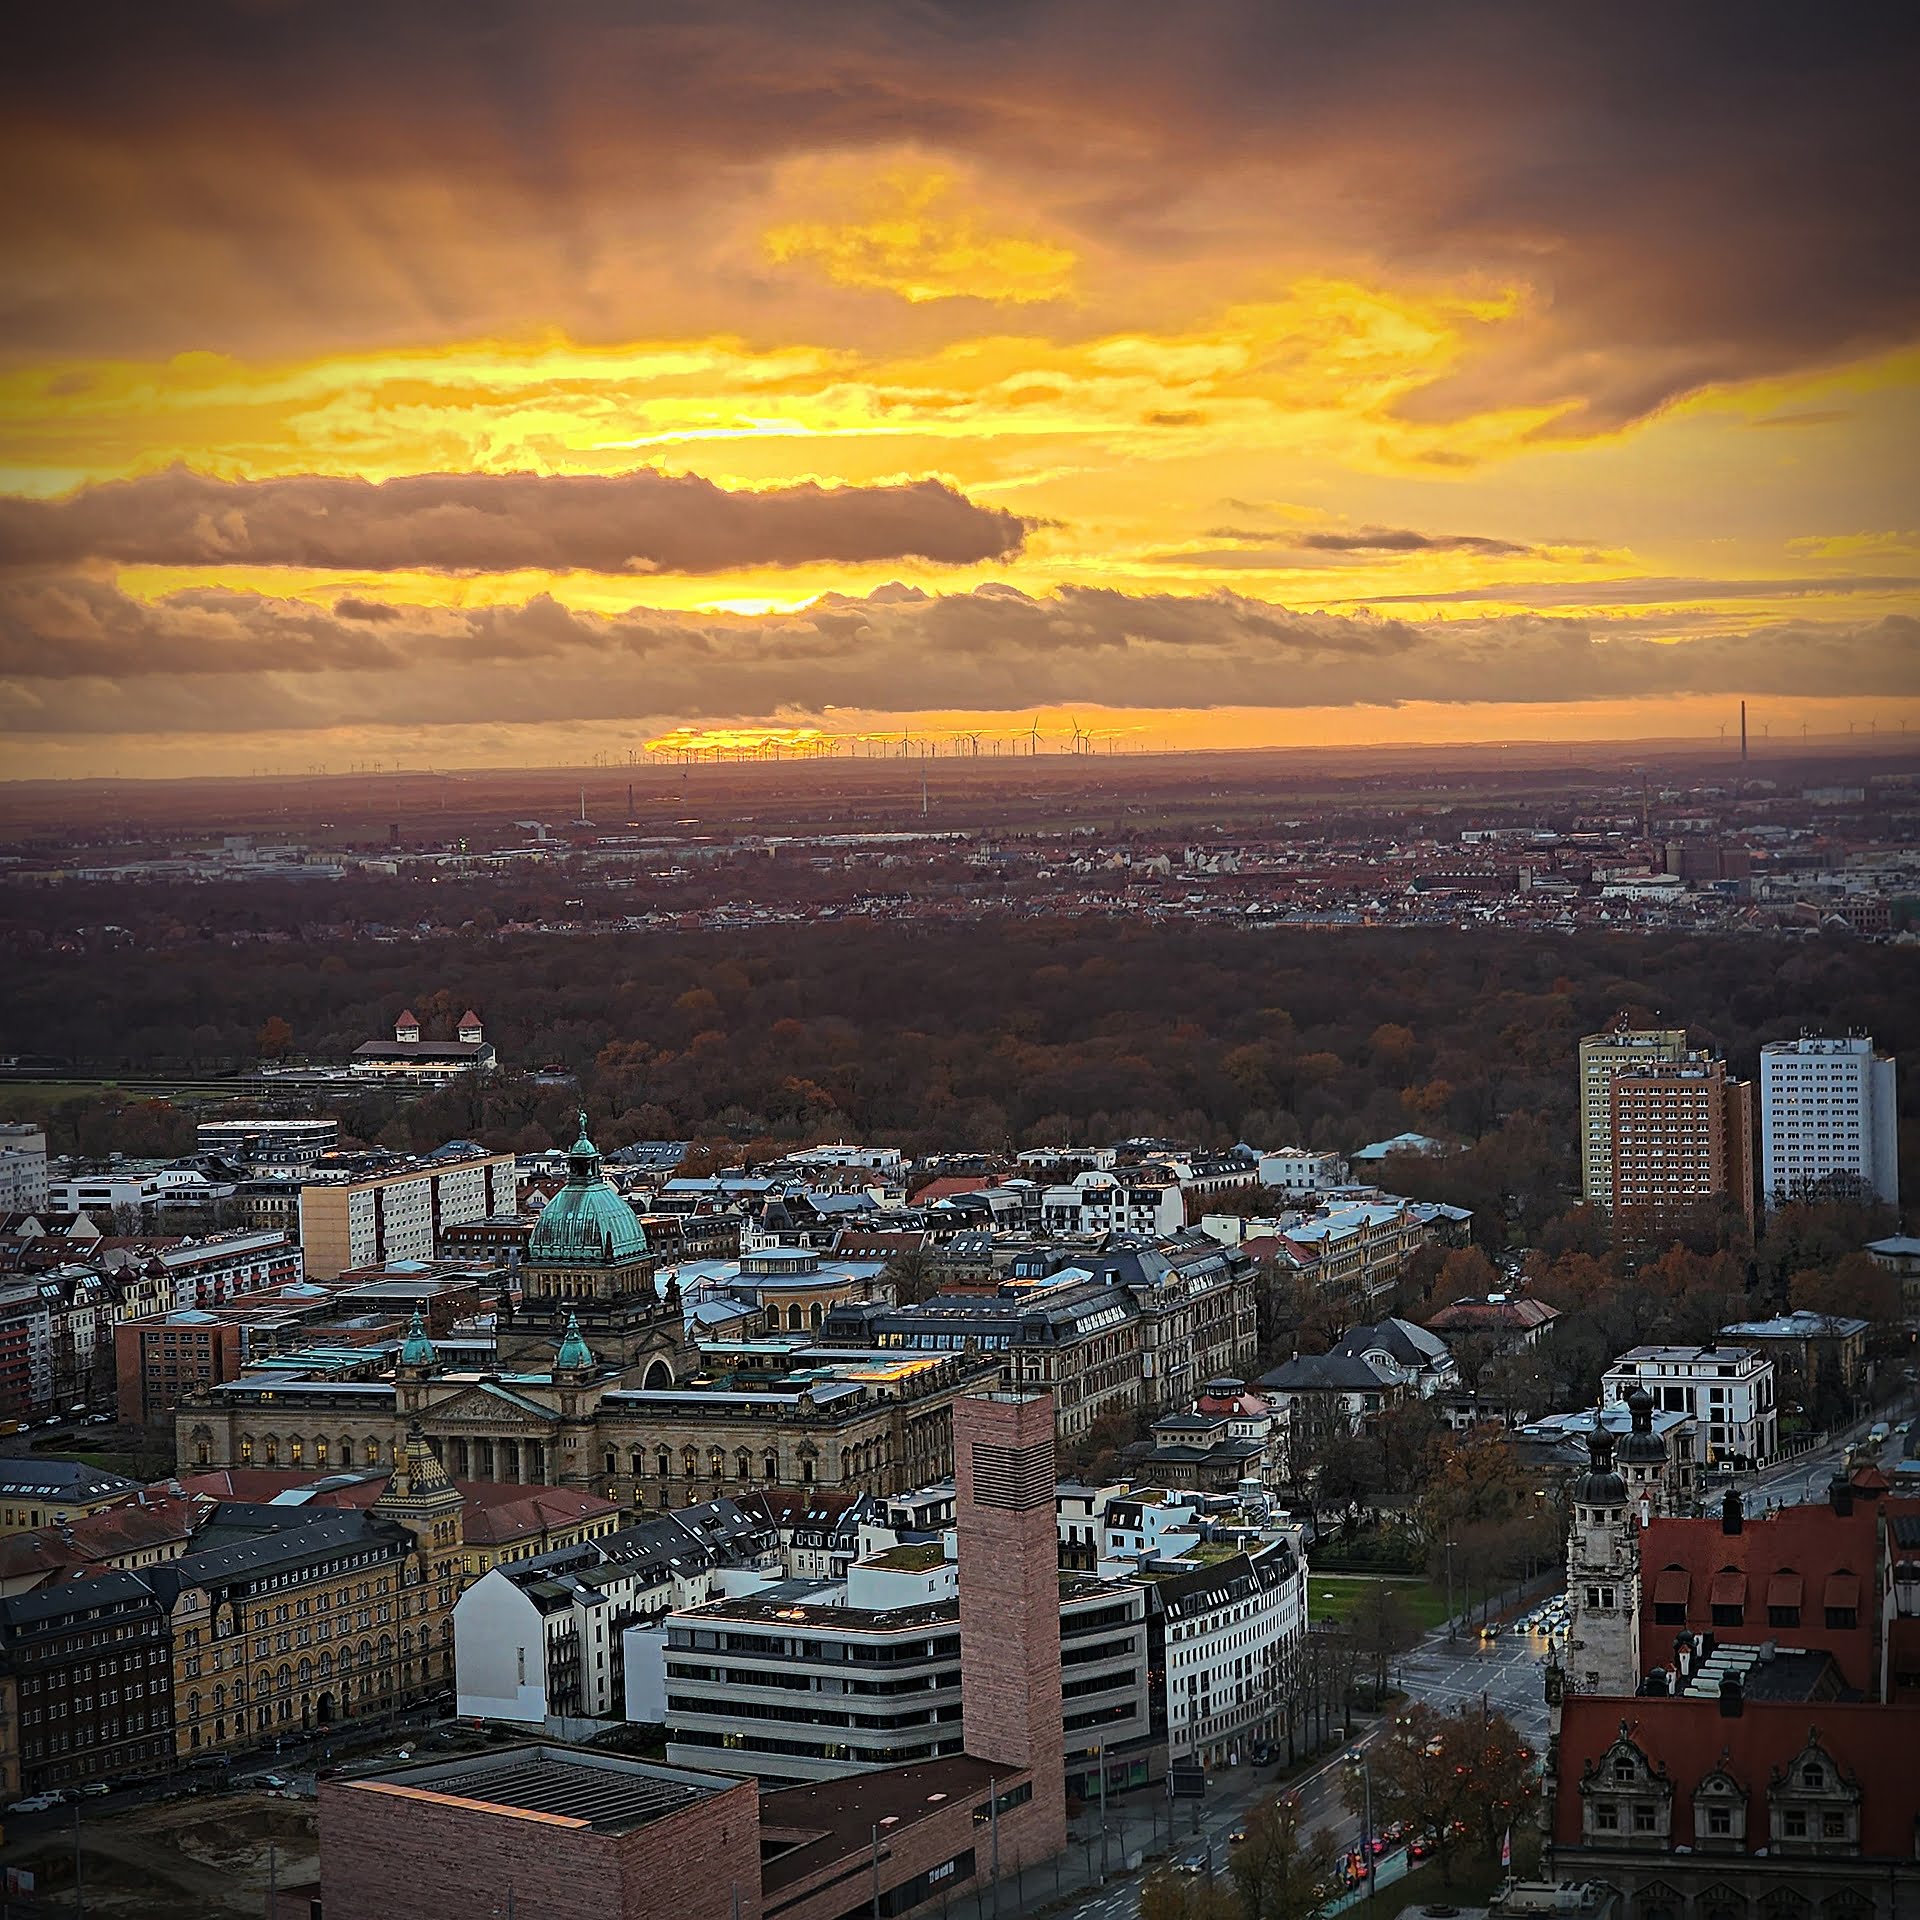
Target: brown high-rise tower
(1009,1572)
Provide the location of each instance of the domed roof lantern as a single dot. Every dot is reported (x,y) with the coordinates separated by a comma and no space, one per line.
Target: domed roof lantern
(575,1356)
(1642,1446)
(1600,1486)
(586,1223)
(417,1350)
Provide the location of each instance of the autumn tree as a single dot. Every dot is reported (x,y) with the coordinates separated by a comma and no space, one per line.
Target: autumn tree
(1419,1778)
(1168,1895)
(1279,1868)
(1499,1786)
(1383,1627)
(274,1038)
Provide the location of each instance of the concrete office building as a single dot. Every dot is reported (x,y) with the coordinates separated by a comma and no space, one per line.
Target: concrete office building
(1827,1113)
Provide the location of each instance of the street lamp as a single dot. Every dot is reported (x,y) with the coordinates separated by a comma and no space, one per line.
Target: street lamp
(1358,1759)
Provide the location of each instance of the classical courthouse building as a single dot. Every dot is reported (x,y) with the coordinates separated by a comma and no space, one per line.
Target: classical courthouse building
(596,1386)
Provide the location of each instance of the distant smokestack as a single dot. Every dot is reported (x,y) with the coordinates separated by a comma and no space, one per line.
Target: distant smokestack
(1743,730)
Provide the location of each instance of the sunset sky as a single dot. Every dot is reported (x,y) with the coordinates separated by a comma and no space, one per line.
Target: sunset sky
(510,384)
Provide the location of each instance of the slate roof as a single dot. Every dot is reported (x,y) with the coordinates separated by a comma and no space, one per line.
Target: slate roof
(1323,1373)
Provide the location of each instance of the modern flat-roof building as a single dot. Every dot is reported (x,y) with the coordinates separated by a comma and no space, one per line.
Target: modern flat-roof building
(396,1213)
(270,1143)
(1728,1389)
(1602,1055)
(1682,1142)
(1827,1116)
(23,1167)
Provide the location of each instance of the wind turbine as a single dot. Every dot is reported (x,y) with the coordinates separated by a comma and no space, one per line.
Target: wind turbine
(1034,738)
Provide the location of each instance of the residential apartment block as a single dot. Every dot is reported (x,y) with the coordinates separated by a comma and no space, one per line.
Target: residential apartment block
(1602,1055)
(1826,1113)
(1728,1389)
(1682,1142)
(396,1213)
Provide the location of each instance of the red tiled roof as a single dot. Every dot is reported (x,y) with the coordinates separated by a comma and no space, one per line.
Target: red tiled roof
(1722,1569)
(499,1511)
(1670,1586)
(1870,1743)
(1515,1312)
(949,1184)
(135,1526)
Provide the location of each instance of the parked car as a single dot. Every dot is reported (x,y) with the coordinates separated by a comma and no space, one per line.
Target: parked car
(37,1803)
(94,1789)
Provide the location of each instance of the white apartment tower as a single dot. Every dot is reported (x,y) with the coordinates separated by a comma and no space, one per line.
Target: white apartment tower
(1826,1108)
(1602,1055)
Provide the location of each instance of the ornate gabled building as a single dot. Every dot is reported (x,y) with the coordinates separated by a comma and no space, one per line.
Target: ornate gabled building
(593,1389)
(1738,1808)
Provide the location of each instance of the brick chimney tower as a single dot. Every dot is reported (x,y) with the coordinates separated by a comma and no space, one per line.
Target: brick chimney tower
(1009,1574)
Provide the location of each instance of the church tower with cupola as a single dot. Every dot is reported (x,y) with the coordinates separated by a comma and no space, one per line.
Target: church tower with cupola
(587,1285)
(1603,1576)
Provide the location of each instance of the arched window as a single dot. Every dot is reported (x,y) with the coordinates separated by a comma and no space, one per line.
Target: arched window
(613,1461)
(690,1460)
(815,1314)
(320,1453)
(246,1452)
(306,1673)
(742,1465)
(716,1463)
(373,1453)
(273,1450)
(666,1463)
(770,1466)
(636,1464)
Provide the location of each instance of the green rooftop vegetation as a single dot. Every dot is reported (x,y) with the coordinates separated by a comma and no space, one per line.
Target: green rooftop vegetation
(918,1556)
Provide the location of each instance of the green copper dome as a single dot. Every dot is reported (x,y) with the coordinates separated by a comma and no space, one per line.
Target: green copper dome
(575,1356)
(586,1224)
(417,1350)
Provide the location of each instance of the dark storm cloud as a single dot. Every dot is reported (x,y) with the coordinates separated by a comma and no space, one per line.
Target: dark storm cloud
(1695,194)
(79,656)
(641,522)
(1370,540)
(1646,591)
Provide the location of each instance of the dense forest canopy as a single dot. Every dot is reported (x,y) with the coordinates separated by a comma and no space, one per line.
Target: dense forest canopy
(980,1036)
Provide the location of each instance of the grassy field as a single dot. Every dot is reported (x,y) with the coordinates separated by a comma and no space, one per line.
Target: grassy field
(1334,1596)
